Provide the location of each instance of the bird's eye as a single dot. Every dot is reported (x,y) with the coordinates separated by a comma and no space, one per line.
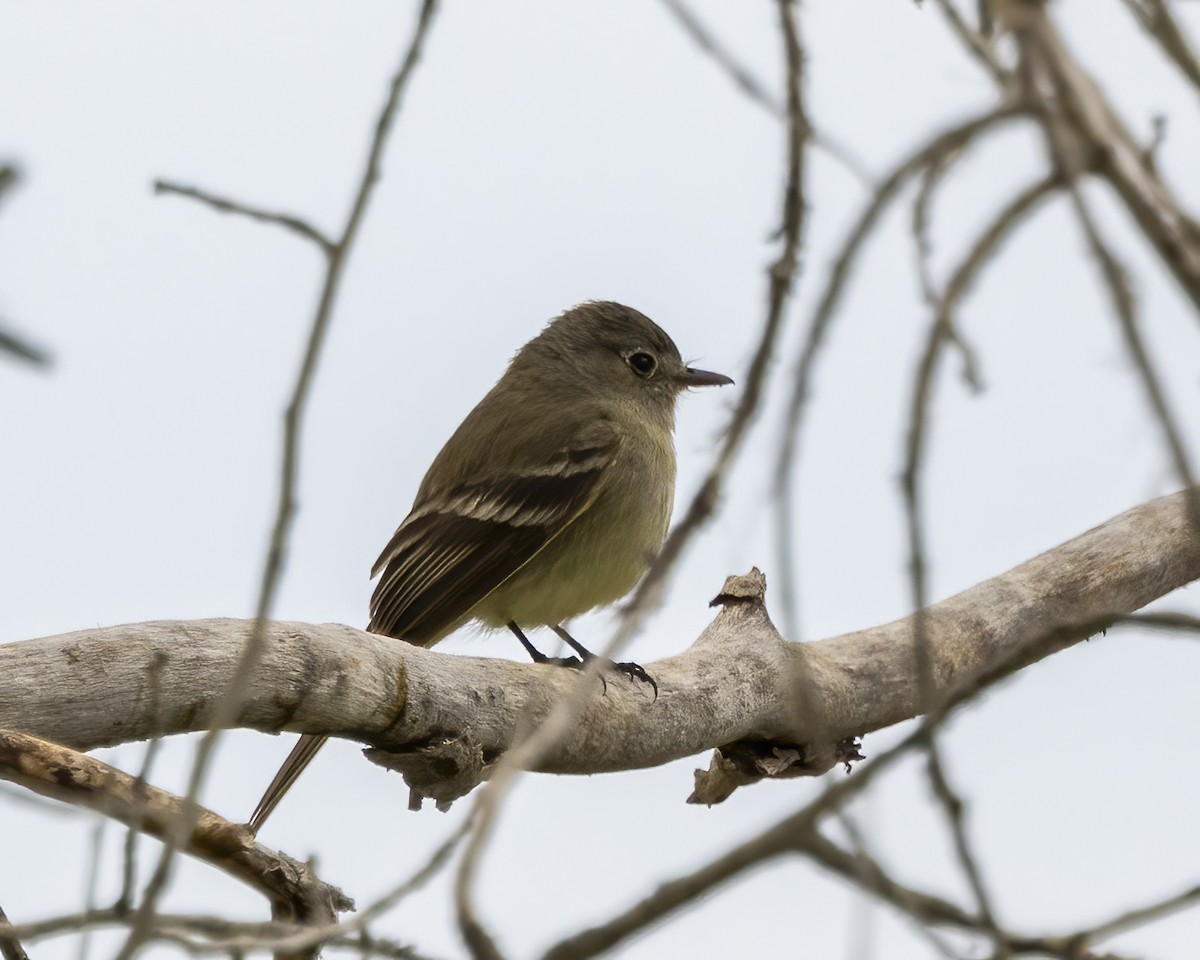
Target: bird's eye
(643,364)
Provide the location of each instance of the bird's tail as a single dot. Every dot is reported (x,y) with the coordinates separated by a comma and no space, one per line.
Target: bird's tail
(301,756)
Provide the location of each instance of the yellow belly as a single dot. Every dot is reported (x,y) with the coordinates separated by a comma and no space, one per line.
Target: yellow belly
(597,559)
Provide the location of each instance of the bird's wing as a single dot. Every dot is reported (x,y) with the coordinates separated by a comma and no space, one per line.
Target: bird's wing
(455,549)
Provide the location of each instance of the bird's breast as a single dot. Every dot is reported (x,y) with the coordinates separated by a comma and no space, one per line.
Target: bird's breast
(604,552)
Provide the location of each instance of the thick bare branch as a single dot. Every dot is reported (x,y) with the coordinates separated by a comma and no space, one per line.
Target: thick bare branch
(738,681)
(63,774)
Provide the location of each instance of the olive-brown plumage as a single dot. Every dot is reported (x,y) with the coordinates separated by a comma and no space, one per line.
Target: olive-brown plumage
(551,498)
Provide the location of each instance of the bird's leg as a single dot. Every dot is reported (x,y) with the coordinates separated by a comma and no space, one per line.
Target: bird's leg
(538,656)
(575,663)
(634,671)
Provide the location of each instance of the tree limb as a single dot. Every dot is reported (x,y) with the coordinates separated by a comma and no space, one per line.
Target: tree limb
(62,774)
(737,684)
(10,943)
(337,254)
(1157,20)
(1105,146)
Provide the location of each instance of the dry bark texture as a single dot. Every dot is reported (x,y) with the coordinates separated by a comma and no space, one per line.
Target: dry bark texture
(54,771)
(774,708)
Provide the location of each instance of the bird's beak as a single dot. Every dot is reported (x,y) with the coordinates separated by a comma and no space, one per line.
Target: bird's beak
(701,378)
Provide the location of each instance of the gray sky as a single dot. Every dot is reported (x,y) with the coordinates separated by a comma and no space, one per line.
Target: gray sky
(549,153)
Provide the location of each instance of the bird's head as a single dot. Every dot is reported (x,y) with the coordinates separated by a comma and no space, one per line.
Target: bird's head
(605,348)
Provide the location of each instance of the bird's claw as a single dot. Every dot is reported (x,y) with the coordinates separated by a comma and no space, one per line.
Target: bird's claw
(635,671)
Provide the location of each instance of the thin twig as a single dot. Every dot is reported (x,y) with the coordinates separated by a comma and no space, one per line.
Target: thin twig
(794,832)
(9,177)
(923,910)
(976,45)
(926,909)
(986,246)
(745,81)
(129,867)
(10,342)
(296,940)
(707,41)
(1176,622)
(864,870)
(1088,135)
(1158,21)
(23,349)
(336,259)
(10,943)
(785,836)
(1116,280)
(206,934)
(208,926)
(1115,276)
(942,331)
(225,205)
(50,808)
(932,178)
(951,139)
(1139,917)
(942,305)
(781,277)
(93,882)
(952,805)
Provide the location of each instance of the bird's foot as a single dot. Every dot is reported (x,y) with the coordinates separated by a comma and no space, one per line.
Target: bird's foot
(572,663)
(635,671)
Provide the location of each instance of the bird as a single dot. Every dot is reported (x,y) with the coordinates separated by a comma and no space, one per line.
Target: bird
(551,498)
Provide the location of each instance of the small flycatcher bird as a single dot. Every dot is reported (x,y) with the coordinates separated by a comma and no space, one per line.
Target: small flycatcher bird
(551,498)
